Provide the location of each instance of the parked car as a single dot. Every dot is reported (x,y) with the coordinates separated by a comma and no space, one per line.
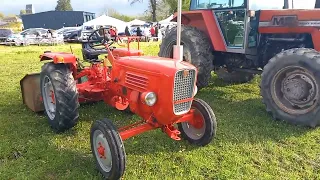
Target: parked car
(72,35)
(4,34)
(33,36)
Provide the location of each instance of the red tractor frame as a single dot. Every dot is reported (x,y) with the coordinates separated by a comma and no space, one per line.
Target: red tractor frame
(238,39)
(159,90)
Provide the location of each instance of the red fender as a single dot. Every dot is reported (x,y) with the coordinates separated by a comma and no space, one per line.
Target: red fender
(62,58)
(59,57)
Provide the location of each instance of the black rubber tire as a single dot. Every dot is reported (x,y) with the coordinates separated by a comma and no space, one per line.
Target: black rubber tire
(196,48)
(116,146)
(302,57)
(210,122)
(234,76)
(66,95)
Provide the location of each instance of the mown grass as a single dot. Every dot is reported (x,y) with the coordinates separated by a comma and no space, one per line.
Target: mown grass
(248,145)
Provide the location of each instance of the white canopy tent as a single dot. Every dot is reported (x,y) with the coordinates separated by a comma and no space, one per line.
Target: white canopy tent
(105,21)
(167,20)
(136,22)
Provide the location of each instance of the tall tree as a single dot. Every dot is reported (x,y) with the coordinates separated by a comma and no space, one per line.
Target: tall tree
(1,15)
(152,7)
(22,12)
(115,14)
(174,3)
(64,5)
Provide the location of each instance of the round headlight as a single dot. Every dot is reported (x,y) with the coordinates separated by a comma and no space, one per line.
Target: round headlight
(150,98)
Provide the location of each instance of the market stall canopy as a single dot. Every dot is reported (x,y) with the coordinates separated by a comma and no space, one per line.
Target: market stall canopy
(105,21)
(136,22)
(167,20)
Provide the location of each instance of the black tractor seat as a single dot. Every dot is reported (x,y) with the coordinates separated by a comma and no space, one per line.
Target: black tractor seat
(92,55)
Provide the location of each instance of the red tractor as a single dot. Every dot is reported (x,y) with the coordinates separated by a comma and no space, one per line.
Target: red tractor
(159,90)
(240,38)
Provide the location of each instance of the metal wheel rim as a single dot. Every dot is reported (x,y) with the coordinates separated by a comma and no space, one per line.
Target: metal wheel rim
(193,132)
(104,163)
(305,84)
(48,101)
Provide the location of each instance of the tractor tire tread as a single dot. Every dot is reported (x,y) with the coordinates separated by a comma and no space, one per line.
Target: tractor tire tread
(210,131)
(201,51)
(311,119)
(66,96)
(116,145)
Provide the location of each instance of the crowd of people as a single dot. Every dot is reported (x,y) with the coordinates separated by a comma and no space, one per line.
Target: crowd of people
(141,31)
(153,31)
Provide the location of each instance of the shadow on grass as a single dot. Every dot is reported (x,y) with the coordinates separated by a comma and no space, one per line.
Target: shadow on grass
(29,149)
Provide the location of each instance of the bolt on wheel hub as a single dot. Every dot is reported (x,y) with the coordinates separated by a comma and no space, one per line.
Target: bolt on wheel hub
(102,151)
(49,99)
(195,129)
(295,90)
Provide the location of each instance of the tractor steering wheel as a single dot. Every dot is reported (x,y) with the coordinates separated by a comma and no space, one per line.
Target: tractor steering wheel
(101,38)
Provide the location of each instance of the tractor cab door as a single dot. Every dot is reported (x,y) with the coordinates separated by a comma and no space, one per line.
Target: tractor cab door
(231,16)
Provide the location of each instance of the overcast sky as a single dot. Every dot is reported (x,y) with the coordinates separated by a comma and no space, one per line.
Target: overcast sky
(95,6)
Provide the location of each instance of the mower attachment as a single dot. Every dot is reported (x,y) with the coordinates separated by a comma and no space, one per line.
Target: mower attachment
(30,89)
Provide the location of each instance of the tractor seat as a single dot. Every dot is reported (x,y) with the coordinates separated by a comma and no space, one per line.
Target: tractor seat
(121,52)
(92,55)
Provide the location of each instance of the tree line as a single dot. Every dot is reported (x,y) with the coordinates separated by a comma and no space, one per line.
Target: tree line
(153,13)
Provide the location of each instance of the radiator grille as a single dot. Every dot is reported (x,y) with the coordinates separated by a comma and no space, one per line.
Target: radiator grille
(183,89)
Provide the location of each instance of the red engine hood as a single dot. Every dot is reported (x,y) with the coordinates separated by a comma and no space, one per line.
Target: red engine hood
(153,64)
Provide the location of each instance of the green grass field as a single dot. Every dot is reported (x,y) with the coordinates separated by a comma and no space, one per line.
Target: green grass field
(248,144)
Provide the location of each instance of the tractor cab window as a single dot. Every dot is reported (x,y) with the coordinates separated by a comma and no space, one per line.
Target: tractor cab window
(216,4)
(278,4)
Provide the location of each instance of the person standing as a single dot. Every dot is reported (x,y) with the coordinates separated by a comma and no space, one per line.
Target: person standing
(112,31)
(139,32)
(152,31)
(156,31)
(127,32)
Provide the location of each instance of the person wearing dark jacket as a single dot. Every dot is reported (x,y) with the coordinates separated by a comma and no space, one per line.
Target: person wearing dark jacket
(156,31)
(139,32)
(127,32)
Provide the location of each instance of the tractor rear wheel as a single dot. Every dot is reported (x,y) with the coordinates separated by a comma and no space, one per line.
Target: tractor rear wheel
(60,96)
(290,86)
(197,50)
(203,127)
(108,149)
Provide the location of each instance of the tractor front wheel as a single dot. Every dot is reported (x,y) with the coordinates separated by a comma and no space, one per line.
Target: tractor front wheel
(202,129)
(60,96)
(108,149)
(290,86)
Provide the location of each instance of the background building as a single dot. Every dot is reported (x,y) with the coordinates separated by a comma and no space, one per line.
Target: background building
(30,9)
(56,19)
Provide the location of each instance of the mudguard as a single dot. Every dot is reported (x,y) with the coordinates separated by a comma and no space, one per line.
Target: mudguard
(59,57)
